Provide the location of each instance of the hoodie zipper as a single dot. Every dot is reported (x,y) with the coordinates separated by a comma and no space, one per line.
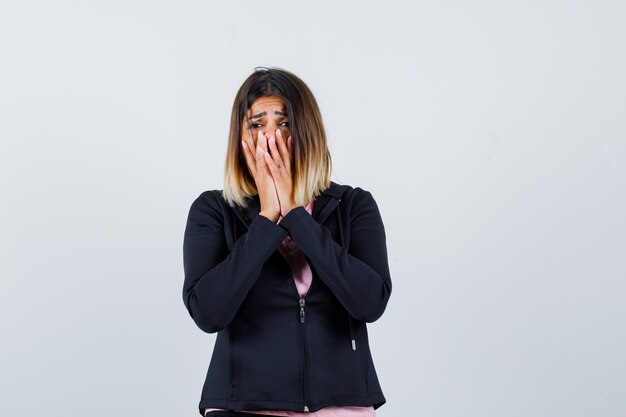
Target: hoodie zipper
(304,365)
(302,315)
(302,320)
(305,373)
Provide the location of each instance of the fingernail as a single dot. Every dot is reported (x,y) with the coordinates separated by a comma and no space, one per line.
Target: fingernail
(279,133)
(272,139)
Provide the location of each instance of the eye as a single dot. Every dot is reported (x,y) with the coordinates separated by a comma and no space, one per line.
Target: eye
(254,125)
(285,123)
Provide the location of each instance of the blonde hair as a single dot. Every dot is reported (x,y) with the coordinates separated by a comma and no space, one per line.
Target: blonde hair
(311,161)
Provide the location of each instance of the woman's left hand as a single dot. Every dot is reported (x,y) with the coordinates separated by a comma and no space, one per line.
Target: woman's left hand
(280,155)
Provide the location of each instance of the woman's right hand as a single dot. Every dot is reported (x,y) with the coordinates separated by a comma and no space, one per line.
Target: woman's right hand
(260,171)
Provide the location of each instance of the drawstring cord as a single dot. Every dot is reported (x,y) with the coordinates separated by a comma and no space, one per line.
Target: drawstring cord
(341,239)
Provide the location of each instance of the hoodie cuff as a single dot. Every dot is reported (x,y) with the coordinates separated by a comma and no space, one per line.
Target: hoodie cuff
(275,231)
(293,217)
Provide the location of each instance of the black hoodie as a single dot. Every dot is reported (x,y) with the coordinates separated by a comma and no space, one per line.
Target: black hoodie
(274,350)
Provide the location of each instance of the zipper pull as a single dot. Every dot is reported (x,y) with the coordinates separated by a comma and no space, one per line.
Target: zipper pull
(306,409)
(353,344)
(302,310)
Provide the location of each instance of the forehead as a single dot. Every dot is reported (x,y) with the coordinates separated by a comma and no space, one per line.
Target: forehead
(266,103)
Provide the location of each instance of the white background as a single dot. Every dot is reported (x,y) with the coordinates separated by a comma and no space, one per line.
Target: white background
(492,135)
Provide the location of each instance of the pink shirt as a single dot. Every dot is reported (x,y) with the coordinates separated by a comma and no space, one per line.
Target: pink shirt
(303,276)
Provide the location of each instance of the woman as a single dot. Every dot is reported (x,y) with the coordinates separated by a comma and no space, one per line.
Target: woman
(285,265)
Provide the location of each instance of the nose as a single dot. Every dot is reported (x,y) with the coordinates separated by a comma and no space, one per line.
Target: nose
(270,130)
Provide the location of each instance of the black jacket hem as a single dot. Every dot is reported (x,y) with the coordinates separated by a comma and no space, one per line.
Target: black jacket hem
(375,400)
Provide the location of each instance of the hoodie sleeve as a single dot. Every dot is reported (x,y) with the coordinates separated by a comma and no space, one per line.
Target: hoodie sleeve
(358,276)
(216,282)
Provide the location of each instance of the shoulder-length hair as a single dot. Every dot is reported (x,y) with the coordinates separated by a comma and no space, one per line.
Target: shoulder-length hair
(311,163)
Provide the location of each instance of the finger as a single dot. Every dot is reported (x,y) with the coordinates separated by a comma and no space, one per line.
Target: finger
(248,151)
(276,154)
(266,145)
(258,147)
(261,149)
(271,165)
(249,139)
(263,141)
(249,157)
(282,147)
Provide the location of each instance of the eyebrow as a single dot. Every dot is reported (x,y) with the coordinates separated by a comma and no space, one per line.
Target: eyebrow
(257,116)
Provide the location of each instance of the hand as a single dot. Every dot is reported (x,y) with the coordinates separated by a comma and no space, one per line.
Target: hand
(256,161)
(281,157)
